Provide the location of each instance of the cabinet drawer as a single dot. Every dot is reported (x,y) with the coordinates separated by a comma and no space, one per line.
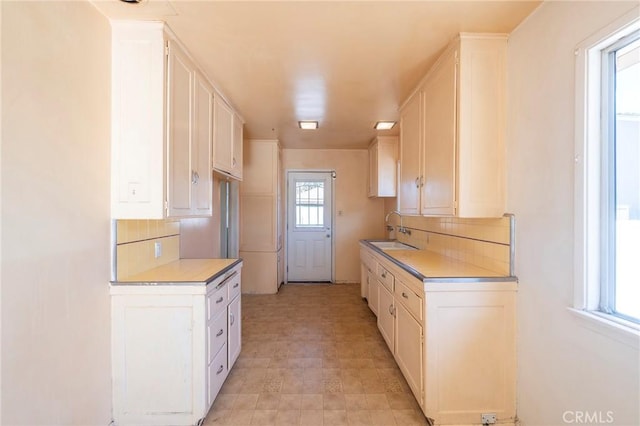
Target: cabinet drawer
(385,277)
(367,259)
(408,298)
(216,374)
(234,286)
(217,302)
(216,335)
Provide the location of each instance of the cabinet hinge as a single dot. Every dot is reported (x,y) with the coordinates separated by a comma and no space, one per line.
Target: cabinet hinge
(166,48)
(166,205)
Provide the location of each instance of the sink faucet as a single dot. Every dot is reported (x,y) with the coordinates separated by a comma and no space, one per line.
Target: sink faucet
(400,228)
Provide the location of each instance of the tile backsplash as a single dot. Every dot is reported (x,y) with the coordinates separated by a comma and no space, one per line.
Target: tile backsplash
(135,245)
(482,242)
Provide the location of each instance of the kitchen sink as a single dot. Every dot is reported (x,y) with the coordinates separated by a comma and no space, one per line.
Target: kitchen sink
(392,245)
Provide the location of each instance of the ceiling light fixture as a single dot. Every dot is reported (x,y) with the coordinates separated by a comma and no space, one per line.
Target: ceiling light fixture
(308,125)
(384,125)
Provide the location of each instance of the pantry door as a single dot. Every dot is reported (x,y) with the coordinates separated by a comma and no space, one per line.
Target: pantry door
(309,226)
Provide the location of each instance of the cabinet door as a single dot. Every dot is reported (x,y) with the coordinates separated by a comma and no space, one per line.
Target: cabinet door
(202,182)
(236,149)
(410,139)
(180,82)
(235,336)
(409,351)
(439,153)
(373,170)
(386,315)
(372,296)
(223,129)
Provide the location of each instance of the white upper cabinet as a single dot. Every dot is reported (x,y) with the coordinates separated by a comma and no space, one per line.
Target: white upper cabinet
(189,138)
(383,158)
(227,156)
(410,148)
(452,160)
(223,140)
(236,148)
(163,123)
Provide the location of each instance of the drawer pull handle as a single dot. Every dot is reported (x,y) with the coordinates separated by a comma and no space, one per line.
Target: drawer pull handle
(220,300)
(236,285)
(391,310)
(220,370)
(405,295)
(226,279)
(231,318)
(219,333)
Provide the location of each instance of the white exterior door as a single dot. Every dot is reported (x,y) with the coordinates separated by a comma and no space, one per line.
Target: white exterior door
(310,228)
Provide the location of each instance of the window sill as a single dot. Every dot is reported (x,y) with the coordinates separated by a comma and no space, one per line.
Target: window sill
(620,330)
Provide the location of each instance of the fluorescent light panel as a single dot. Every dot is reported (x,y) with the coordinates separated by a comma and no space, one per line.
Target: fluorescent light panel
(385,125)
(308,125)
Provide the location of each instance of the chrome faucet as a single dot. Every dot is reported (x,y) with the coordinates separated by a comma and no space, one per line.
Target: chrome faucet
(400,228)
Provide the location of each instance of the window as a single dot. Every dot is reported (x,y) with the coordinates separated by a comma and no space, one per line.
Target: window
(607,179)
(620,281)
(310,204)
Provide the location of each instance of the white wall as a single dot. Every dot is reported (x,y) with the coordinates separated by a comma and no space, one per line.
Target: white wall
(55,214)
(360,217)
(563,366)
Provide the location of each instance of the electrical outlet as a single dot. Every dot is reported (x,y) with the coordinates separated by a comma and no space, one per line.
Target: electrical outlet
(489,418)
(157,249)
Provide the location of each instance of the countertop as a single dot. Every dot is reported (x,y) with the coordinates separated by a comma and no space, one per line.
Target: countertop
(429,266)
(183,271)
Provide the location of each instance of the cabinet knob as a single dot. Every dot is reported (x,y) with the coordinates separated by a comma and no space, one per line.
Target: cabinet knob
(220,369)
(219,333)
(219,300)
(405,295)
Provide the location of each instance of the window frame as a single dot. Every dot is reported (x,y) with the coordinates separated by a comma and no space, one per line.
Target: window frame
(591,255)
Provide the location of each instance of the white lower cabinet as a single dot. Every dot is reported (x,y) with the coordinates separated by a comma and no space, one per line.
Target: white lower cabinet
(408,350)
(372,293)
(453,341)
(234,320)
(386,315)
(172,348)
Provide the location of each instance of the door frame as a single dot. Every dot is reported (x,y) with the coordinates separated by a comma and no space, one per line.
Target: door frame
(333,219)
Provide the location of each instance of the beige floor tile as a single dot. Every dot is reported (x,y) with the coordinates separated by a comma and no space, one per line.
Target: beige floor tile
(335,417)
(334,401)
(377,401)
(357,401)
(312,402)
(383,418)
(288,417)
(358,417)
(409,418)
(246,401)
(290,402)
(240,417)
(264,417)
(311,418)
(268,401)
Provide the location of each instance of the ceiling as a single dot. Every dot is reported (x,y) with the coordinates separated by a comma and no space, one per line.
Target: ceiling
(345,64)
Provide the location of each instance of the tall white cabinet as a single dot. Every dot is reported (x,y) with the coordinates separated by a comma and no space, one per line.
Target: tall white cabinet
(452,132)
(261,205)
